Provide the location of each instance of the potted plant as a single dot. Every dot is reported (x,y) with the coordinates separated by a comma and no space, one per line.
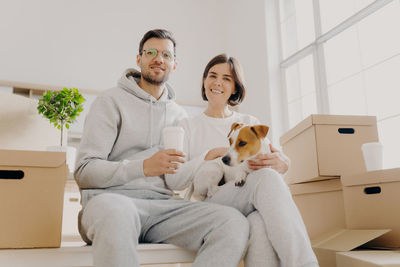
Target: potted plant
(62,108)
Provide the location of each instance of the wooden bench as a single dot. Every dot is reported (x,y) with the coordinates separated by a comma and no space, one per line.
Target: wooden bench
(81,256)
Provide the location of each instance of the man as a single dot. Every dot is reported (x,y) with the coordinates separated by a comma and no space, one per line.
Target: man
(120,167)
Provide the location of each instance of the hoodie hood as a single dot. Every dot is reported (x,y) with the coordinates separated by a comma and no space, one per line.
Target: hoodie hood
(129,82)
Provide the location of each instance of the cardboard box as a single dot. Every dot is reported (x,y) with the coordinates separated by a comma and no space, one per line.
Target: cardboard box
(322,146)
(368,258)
(372,200)
(321,205)
(340,240)
(31,198)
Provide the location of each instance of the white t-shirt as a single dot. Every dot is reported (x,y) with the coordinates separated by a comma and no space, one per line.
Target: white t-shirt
(203,133)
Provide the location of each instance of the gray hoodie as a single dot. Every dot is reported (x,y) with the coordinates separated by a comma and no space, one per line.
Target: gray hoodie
(122,128)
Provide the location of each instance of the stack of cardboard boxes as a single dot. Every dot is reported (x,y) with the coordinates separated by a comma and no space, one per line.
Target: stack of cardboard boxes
(342,205)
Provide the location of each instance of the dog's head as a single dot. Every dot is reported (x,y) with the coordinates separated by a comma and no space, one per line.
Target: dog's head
(245,142)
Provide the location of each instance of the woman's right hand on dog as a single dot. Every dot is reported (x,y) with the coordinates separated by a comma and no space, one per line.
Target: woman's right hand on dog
(216,152)
(163,162)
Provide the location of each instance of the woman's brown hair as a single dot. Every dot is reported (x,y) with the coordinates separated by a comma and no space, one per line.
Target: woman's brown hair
(238,77)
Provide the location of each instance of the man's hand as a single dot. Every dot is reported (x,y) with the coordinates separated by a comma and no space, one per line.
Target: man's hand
(275,160)
(163,162)
(216,152)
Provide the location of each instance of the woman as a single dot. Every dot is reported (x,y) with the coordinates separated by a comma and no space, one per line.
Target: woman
(277,233)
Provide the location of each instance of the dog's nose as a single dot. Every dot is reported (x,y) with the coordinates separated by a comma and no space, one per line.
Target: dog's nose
(226,160)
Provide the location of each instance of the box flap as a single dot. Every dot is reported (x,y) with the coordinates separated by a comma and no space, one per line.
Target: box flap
(300,127)
(343,119)
(30,158)
(346,239)
(324,119)
(370,258)
(372,177)
(316,187)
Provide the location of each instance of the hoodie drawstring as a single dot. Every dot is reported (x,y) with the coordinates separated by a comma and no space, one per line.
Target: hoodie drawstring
(151,123)
(165,116)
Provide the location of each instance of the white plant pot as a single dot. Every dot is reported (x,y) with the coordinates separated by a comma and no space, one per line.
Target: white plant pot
(71,155)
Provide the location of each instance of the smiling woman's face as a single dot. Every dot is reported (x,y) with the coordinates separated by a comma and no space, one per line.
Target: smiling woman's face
(219,84)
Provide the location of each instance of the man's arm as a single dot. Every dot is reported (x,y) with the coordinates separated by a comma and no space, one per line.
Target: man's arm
(93,168)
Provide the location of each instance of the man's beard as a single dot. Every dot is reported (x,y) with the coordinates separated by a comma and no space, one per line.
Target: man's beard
(147,77)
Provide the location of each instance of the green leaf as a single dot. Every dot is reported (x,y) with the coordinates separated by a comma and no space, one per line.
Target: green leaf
(61,106)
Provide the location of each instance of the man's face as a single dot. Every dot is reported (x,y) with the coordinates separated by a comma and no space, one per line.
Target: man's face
(156,68)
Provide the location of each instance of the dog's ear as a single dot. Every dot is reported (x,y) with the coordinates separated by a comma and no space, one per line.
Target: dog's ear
(260,130)
(234,127)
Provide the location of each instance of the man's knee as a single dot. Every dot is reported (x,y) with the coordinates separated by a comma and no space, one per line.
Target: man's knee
(109,205)
(112,213)
(256,222)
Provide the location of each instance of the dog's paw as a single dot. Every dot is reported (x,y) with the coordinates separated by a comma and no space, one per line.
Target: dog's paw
(212,190)
(240,182)
(198,197)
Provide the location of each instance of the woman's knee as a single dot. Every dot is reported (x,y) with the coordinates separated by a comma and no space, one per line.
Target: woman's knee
(266,176)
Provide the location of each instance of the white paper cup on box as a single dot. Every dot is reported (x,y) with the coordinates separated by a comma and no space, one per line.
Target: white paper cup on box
(173,137)
(373,155)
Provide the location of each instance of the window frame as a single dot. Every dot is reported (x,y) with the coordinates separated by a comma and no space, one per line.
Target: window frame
(316,49)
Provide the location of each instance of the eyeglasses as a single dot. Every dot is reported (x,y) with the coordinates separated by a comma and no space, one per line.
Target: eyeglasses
(152,53)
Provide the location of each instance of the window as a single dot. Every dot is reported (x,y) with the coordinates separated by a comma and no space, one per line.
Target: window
(335,12)
(297,22)
(343,57)
(301,90)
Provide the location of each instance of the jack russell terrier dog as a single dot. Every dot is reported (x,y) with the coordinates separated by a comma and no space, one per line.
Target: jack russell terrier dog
(246,142)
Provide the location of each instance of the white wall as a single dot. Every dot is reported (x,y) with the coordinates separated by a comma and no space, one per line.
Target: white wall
(246,41)
(87,44)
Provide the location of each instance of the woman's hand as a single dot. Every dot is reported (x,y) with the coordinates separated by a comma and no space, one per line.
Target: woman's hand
(216,152)
(275,160)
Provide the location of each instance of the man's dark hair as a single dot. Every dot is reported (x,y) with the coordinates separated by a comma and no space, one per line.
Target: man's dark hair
(238,77)
(156,33)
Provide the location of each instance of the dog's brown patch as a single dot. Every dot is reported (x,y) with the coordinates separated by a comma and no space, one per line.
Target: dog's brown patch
(234,127)
(260,130)
(248,142)
(230,141)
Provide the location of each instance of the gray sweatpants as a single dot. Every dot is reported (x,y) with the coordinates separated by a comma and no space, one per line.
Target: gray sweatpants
(277,232)
(116,223)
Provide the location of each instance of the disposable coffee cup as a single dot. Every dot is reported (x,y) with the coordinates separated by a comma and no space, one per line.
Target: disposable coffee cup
(373,155)
(173,137)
